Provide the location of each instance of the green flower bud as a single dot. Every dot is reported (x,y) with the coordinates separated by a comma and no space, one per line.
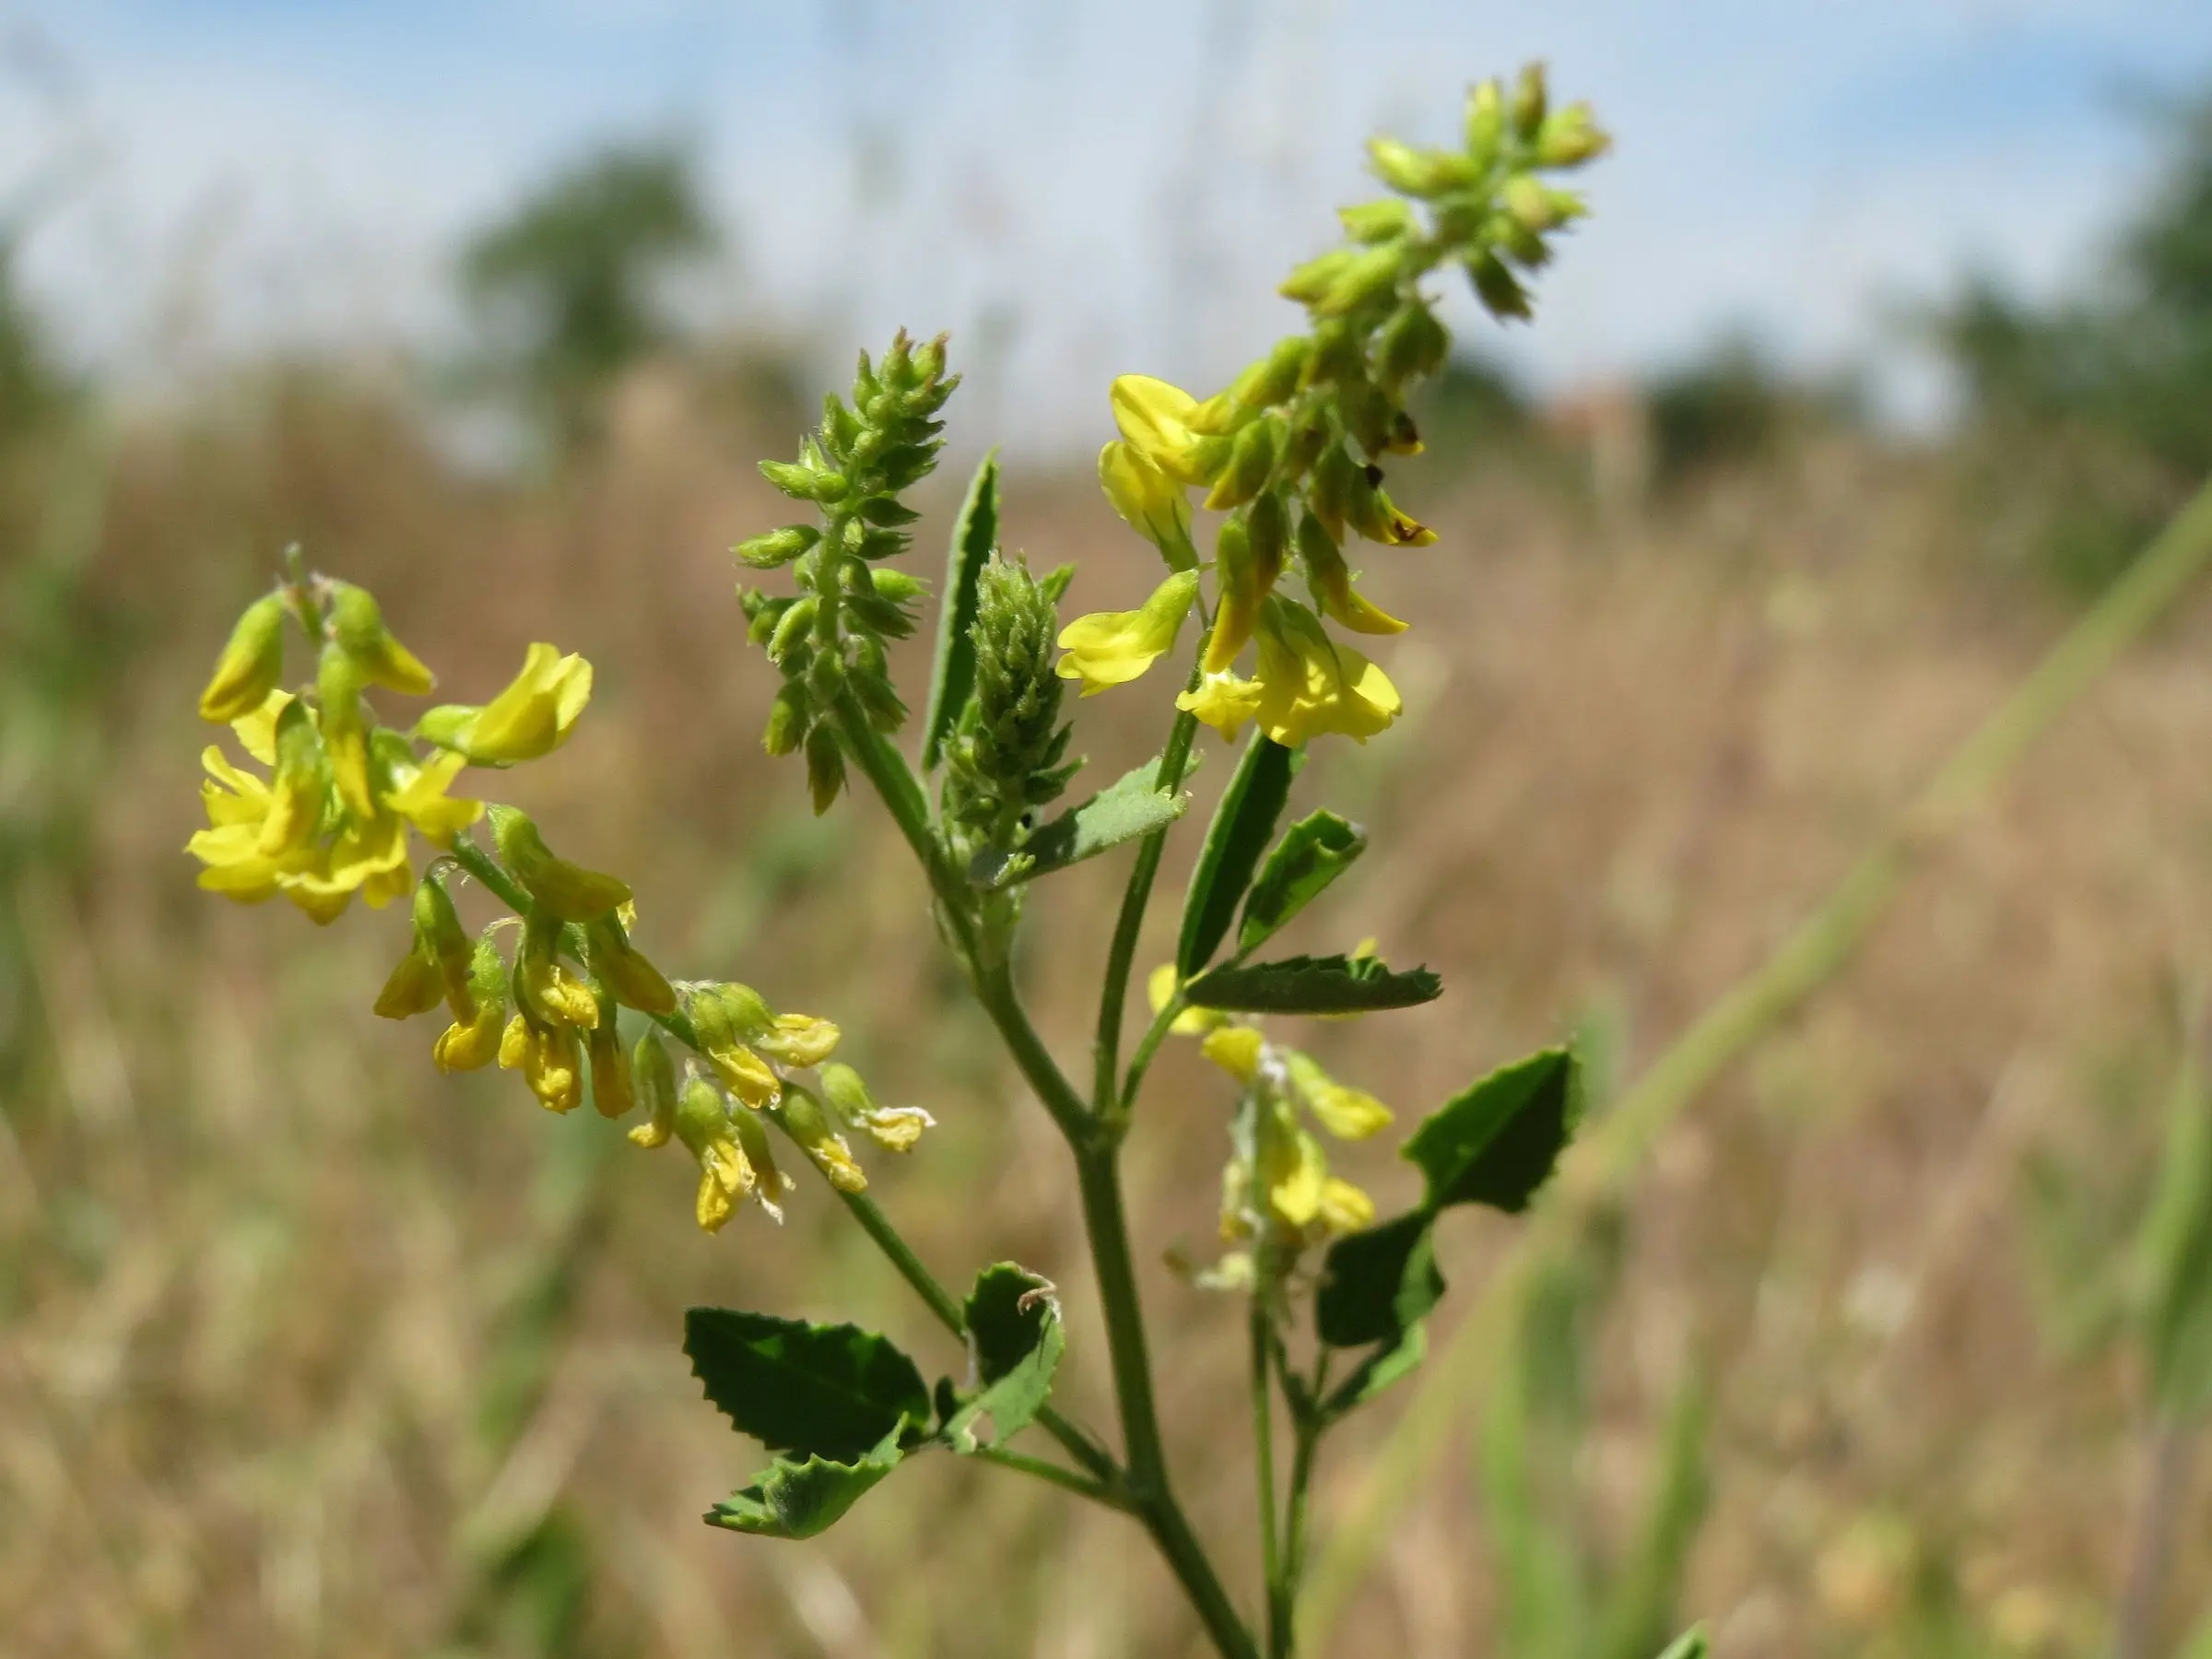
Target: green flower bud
(825,769)
(1369,276)
(442,940)
(895,1129)
(791,627)
(359,626)
(344,723)
(1531,205)
(887,512)
(1498,287)
(803,1119)
(568,891)
(787,720)
(1006,756)
(1419,172)
(1310,281)
(1485,125)
(1251,464)
(1378,221)
(778,547)
(1413,343)
(806,483)
(1529,101)
(1570,137)
(653,1078)
(250,664)
(629,976)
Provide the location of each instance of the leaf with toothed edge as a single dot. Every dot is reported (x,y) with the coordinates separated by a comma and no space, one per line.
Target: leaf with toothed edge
(826,1391)
(1313,853)
(801,1498)
(1131,808)
(1334,984)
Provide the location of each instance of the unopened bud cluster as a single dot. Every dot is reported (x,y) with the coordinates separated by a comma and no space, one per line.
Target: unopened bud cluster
(1008,755)
(828,638)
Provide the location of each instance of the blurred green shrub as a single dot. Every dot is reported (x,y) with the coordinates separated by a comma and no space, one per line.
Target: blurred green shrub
(2091,417)
(570,289)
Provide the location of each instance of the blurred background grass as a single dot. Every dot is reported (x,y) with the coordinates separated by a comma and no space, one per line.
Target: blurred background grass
(306,1350)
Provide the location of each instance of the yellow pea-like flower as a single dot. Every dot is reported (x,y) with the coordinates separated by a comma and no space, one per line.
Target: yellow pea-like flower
(251,663)
(798,1039)
(531,718)
(1312,687)
(655,1079)
(1149,503)
(1346,1112)
(359,626)
(1154,419)
(475,1045)
(1333,584)
(1344,1208)
(1110,648)
(419,795)
(1224,701)
(1236,1050)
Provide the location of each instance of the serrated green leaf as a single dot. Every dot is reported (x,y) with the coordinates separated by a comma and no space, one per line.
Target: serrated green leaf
(952,672)
(1131,806)
(827,1390)
(1334,984)
(1496,1142)
(1312,853)
(1235,841)
(795,1498)
(1400,1357)
(1016,1338)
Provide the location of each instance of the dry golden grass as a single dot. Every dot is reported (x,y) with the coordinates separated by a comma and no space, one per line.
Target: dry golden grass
(270,1377)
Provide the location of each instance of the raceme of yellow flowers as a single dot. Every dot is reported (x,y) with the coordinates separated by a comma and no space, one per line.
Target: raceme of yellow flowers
(331,816)
(1293,451)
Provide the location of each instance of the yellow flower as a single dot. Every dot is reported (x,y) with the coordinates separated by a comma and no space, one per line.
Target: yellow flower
(474,1045)
(733,1153)
(625,971)
(1346,1112)
(1149,501)
(532,717)
(1310,686)
(344,722)
(1245,574)
(1223,701)
(1110,648)
(549,1057)
(805,1121)
(250,664)
(655,1080)
(418,792)
(256,731)
(359,626)
(1154,418)
(1344,1208)
(1292,1174)
(1332,581)
(300,786)
(798,1039)
(1236,1050)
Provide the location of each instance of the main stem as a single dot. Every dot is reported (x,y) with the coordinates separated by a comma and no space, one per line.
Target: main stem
(1098,1172)
(1263,1441)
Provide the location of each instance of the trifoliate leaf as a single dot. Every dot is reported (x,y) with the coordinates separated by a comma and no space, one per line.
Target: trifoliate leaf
(827,1390)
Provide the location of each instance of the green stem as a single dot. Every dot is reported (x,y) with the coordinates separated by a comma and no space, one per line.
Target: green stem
(1097,1172)
(1262,1440)
(1121,954)
(1083,1485)
(1141,1061)
(1822,945)
(1309,1431)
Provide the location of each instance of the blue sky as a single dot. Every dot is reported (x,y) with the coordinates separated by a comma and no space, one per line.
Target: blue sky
(1074,188)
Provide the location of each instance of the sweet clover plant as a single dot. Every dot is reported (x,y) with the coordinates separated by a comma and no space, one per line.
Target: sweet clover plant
(1289,464)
